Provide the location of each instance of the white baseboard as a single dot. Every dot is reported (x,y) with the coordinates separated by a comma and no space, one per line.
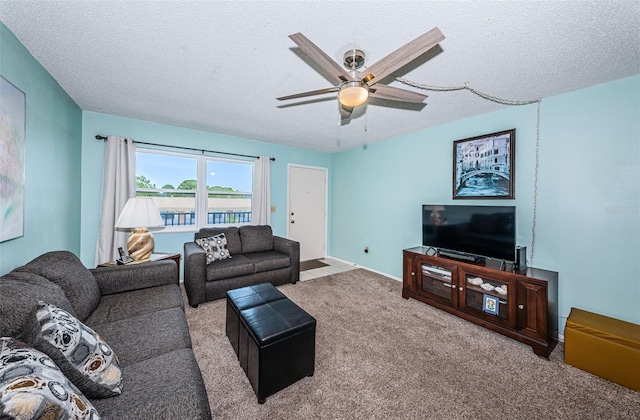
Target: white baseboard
(366,268)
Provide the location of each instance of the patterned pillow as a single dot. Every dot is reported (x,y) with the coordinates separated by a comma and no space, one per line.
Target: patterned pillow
(215,247)
(32,386)
(82,355)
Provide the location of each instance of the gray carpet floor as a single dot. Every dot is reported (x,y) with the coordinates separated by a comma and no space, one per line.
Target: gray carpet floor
(379,356)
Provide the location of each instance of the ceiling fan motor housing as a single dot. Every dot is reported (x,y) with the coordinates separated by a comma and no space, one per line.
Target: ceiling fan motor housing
(353,59)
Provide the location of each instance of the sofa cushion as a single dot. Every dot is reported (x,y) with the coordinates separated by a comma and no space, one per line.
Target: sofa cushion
(268,260)
(231,233)
(19,294)
(256,238)
(215,247)
(237,266)
(136,302)
(169,386)
(65,269)
(146,336)
(32,386)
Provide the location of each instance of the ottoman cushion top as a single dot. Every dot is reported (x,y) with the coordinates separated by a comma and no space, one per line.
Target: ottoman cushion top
(276,320)
(248,297)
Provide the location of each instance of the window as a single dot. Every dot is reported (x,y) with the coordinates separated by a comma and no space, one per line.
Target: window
(195,191)
(229,192)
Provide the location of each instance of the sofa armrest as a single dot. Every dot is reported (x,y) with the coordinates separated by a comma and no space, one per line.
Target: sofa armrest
(292,249)
(124,278)
(195,273)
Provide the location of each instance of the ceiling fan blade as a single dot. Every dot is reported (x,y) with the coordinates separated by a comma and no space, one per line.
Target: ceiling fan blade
(310,93)
(337,73)
(345,114)
(396,94)
(402,56)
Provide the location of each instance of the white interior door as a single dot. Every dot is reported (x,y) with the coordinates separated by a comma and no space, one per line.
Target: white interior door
(308,210)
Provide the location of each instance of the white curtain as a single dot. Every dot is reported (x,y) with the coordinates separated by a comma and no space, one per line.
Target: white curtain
(118,185)
(261,200)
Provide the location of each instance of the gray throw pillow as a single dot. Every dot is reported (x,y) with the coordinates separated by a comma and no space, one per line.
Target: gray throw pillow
(82,355)
(32,386)
(215,247)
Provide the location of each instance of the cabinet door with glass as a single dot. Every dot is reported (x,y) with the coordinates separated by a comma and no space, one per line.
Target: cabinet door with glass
(437,281)
(488,296)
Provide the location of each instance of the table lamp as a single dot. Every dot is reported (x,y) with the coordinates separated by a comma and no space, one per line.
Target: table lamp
(139,214)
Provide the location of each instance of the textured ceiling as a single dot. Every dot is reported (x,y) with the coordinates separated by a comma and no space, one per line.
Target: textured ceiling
(218,66)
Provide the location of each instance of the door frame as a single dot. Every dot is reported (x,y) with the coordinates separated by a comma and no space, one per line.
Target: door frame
(326,200)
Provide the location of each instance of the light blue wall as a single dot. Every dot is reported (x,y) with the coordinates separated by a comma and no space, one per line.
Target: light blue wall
(52,159)
(93,154)
(588,211)
(588,226)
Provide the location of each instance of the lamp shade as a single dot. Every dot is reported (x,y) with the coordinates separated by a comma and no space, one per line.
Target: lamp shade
(139,212)
(353,93)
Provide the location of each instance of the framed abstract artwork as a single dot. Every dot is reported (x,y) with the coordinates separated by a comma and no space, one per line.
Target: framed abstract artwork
(12,165)
(484,166)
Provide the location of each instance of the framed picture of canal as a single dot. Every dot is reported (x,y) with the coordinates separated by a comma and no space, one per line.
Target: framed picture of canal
(484,166)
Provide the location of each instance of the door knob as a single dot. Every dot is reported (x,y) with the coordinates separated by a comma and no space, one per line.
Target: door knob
(293,221)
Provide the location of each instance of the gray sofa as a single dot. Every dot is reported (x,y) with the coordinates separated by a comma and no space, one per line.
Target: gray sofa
(138,311)
(257,256)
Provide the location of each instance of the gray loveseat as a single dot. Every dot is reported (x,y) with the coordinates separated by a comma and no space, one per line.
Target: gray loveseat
(138,311)
(257,256)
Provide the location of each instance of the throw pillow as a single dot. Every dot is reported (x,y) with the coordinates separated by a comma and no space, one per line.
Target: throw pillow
(82,355)
(215,247)
(32,386)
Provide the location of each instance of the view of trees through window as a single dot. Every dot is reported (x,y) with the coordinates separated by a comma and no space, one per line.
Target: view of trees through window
(142,182)
(172,180)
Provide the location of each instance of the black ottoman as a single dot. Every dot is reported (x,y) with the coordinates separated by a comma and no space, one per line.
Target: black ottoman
(280,346)
(274,339)
(244,298)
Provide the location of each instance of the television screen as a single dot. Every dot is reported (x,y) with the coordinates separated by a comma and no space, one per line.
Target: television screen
(486,231)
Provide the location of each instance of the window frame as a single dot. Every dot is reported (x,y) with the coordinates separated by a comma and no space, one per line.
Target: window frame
(201,192)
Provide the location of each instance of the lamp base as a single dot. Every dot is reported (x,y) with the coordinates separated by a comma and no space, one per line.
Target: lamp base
(140,245)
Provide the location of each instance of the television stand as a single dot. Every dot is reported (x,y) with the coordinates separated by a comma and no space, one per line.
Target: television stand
(518,304)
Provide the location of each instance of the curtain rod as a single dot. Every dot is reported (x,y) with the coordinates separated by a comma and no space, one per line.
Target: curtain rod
(99,137)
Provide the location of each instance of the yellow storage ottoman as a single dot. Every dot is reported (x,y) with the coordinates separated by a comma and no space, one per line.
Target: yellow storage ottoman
(604,346)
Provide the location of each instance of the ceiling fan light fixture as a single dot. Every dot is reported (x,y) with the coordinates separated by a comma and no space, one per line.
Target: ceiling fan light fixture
(353,93)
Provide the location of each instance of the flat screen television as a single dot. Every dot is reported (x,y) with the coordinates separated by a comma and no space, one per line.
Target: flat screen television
(478,231)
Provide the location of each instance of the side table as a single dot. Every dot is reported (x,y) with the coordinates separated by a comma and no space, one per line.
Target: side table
(154,257)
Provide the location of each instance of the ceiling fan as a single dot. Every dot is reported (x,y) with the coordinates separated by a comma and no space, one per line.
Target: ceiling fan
(355,87)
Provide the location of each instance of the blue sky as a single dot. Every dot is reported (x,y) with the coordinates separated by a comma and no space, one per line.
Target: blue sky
(170,169)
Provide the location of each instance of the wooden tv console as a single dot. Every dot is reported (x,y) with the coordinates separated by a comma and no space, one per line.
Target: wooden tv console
(518,304)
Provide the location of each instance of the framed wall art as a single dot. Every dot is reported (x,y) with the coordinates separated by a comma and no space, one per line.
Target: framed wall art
(484,166)
(12,165)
